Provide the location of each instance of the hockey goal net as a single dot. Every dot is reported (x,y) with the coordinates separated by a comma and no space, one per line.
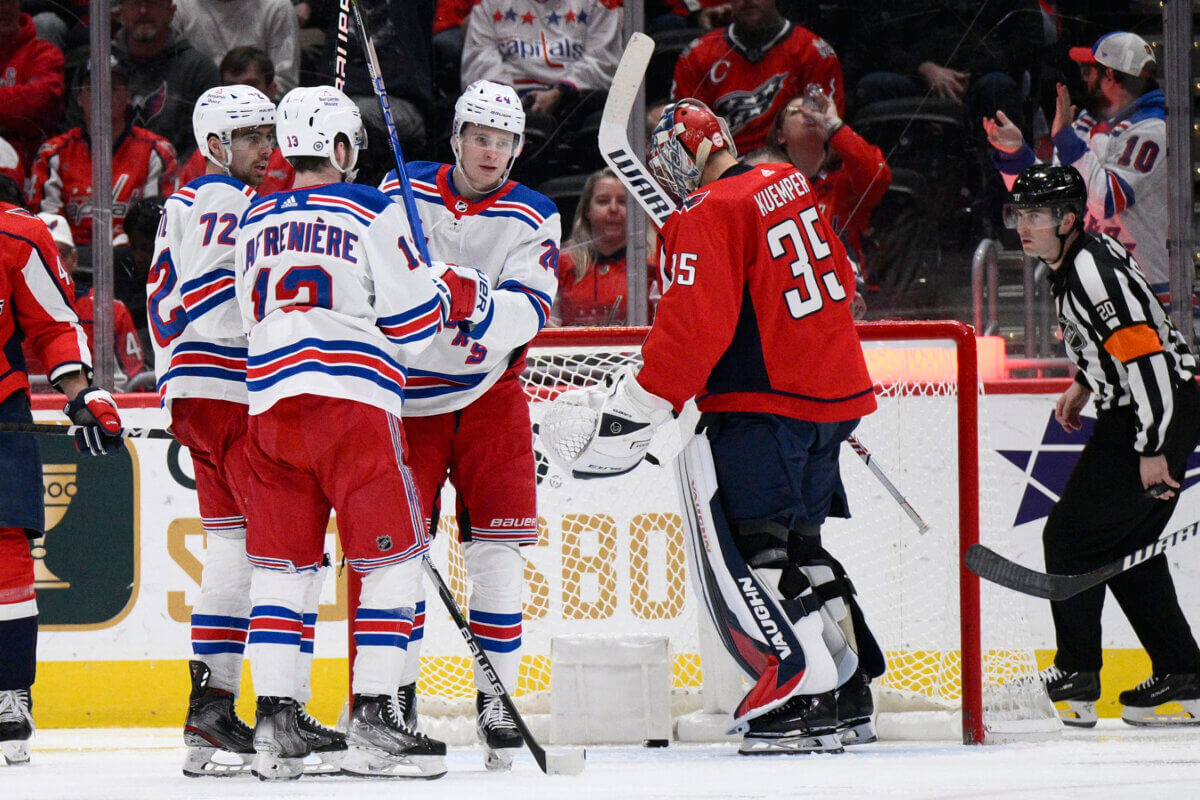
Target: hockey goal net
(611,555)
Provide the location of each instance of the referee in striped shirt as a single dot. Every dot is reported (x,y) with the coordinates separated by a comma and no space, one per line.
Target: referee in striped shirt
(1125,485)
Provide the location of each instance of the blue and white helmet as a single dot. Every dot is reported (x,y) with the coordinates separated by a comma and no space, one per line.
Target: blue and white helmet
(309,120)
(492,105)
(224,109)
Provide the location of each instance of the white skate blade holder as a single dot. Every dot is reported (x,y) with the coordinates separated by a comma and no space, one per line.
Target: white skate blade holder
(15,753)
(1177,713)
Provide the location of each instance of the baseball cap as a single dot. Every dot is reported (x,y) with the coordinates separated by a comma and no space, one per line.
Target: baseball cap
(1123,51)
(60,231)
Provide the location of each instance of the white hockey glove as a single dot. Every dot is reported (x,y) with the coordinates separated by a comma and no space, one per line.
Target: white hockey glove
(467,297)
(603,431)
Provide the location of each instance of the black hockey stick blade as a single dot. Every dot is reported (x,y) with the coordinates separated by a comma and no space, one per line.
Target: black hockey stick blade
(565,762)
(991,566)
(49,429)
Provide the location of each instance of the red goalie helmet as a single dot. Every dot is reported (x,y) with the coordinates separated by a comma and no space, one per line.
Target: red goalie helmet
(686,134)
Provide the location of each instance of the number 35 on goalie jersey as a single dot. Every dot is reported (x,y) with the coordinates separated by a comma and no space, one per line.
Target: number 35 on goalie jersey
(757,316)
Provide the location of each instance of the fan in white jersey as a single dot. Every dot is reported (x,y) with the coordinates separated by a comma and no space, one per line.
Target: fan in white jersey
(336,304)
(198,337)
(465,413)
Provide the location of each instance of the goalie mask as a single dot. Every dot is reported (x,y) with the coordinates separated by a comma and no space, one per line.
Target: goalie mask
(309,120)
(492,105)
(688,132)
(224,109)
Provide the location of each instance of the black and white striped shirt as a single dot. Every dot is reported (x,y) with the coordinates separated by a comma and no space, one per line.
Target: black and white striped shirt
(1119,336)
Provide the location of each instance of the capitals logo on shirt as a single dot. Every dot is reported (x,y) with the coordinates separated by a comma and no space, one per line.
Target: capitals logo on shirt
(738,108)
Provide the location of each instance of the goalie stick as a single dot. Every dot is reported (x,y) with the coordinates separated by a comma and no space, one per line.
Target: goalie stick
(991,566)
(567,762)
(618,154)
(48,429)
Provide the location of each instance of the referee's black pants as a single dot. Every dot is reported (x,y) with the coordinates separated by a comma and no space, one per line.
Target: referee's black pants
(1104,515)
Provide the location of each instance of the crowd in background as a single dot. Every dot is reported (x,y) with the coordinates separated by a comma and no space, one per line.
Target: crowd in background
(881,105)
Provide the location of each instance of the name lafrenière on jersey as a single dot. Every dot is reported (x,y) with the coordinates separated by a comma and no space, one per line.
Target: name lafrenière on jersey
(780,192)
(302,237)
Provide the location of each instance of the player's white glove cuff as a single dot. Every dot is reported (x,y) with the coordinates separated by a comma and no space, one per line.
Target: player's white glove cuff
(653,407)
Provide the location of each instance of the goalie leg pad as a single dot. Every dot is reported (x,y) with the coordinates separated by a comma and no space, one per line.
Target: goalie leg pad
(221,615)
(763,616)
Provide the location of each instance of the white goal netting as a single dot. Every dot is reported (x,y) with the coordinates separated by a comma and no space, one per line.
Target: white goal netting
(611,560)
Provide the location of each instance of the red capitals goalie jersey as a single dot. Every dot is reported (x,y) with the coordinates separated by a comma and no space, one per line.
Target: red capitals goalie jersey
(750,86)
(757,317)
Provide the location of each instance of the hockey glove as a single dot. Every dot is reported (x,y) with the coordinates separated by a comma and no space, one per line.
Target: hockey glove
(622,421)
(470,294)
(97,412)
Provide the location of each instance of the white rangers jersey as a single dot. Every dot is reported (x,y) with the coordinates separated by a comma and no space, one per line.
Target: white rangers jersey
(194,320)
(1123,163)
(536,44)
(334,298)
(513,236)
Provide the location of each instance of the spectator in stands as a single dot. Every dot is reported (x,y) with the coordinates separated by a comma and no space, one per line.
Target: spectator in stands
(131,265)
(405,49)
(214,27)
(560,59)
(248,66)
(449,30)
(62,23)
(143,165)
(11,163)
(747,71)
(954,49)
(166,74)
(592,280)
(849,175)
(671,15)
(31,81)
(126,343)
(1120,149)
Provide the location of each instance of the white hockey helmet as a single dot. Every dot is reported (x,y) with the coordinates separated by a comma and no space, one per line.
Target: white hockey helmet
(310,118)
(224,109)
(493,105)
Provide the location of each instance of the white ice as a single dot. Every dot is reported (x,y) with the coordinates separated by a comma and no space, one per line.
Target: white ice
(1111,761)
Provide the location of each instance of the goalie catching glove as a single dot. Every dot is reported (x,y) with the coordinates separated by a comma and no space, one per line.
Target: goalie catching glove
(466,297)
(95,409)
(603,431)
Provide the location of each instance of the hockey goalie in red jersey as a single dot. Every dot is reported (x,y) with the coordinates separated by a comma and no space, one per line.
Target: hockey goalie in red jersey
(756,326)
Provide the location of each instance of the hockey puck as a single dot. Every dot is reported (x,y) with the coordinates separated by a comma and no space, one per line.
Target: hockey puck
(655,742)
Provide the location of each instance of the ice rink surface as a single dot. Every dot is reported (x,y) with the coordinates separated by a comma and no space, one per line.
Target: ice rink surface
(1113,760)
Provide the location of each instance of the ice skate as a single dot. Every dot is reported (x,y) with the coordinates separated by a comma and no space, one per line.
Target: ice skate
(219,743)
(279,745)
(494,727)
(16,726)
(804,724)
(1144,704)
(406,705)
(379,746)
(327,746)
(1079,690)
(855,707)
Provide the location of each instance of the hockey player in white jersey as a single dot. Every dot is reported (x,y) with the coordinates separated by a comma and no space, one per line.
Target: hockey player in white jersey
(334,313)
(199,342)
(465,413)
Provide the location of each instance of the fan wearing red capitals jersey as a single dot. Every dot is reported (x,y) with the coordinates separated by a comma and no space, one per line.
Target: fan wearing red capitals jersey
(777,370)
(198,337)
(336,304)
(747,72)
(465,413)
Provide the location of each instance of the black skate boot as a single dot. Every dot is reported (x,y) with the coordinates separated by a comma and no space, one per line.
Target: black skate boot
(16,726)
(494,727)
(406,705)
(379,746)
(279,745)
(1142,703)
(219,743)
(804,724)
(327,744)
(1079,690)
(854,709)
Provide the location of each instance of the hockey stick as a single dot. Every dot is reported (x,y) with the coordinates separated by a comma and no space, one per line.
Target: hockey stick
(991,566)
(48,429)
(410,202)
(568,762)
(865,455)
